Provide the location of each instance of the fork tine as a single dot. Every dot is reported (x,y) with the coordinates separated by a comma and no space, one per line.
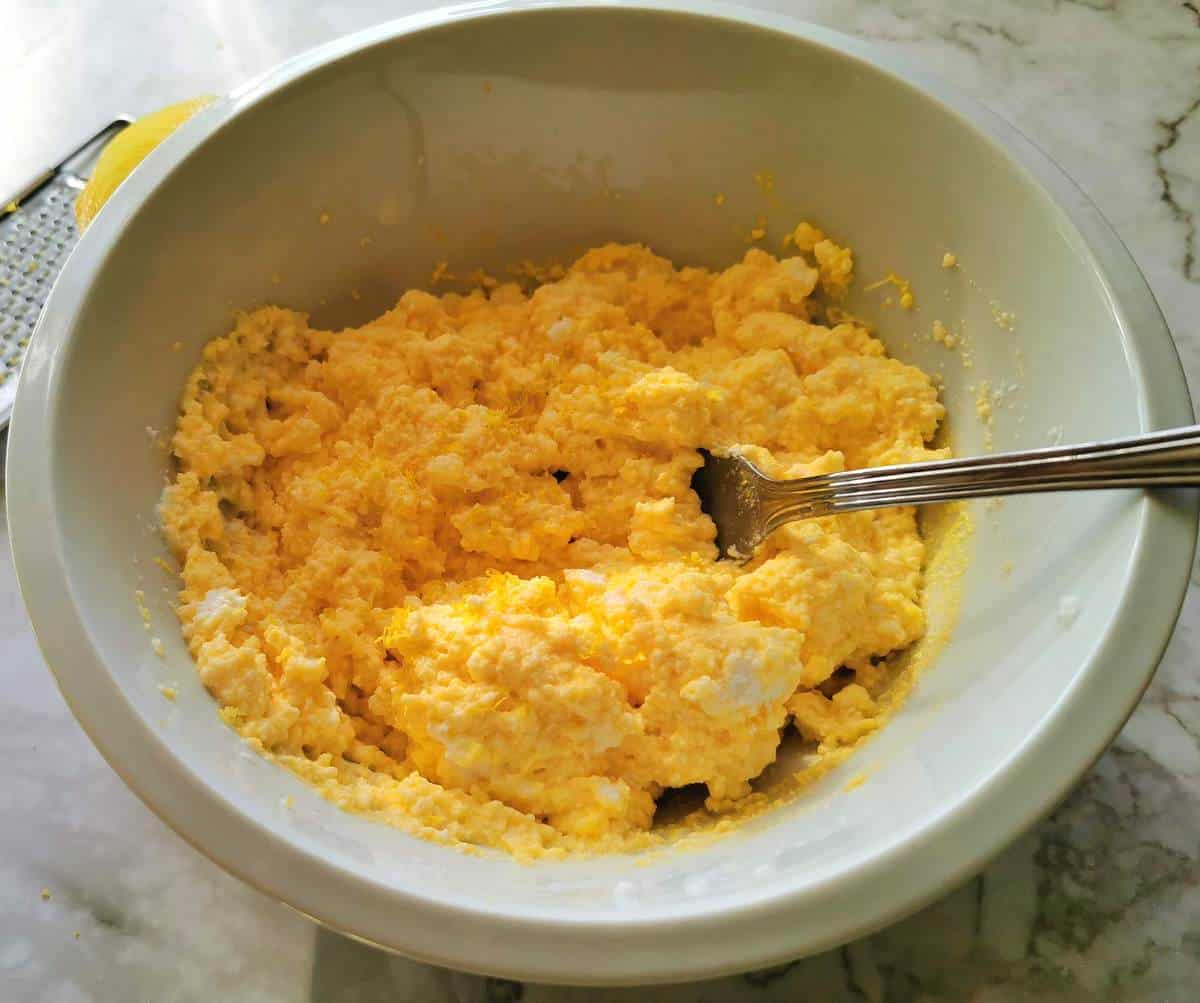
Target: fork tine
(728,488)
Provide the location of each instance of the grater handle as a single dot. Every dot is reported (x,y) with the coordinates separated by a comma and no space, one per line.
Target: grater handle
(68,166)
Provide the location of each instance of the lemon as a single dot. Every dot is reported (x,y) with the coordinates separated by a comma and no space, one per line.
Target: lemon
(128,149)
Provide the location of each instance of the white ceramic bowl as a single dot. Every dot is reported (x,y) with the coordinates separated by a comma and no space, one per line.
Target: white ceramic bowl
(492,132)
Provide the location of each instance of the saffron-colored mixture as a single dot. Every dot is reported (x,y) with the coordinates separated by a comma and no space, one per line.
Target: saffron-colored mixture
(448,566)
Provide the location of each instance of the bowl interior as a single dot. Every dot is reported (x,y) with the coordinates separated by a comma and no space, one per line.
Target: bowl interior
(534,135)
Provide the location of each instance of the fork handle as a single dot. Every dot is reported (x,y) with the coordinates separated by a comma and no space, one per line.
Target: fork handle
(1155,459)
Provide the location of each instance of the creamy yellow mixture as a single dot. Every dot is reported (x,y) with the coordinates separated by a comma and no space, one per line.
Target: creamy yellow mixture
(448,566)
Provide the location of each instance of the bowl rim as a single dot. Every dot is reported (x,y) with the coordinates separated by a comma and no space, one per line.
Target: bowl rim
(696,943)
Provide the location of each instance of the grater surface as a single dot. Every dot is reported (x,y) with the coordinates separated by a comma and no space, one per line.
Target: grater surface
(35,239)
(34,242)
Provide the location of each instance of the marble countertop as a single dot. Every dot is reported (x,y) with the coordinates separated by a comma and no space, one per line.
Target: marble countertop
(99,901)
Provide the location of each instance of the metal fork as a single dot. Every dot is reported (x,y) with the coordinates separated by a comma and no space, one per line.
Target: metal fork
(746,505)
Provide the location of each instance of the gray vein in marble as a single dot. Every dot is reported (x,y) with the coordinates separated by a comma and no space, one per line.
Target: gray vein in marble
(956,28)
(1171,128)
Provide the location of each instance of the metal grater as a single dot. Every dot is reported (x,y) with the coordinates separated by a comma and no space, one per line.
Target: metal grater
(35,238)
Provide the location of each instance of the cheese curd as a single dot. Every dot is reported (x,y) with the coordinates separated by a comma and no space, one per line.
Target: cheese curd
(448,566)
